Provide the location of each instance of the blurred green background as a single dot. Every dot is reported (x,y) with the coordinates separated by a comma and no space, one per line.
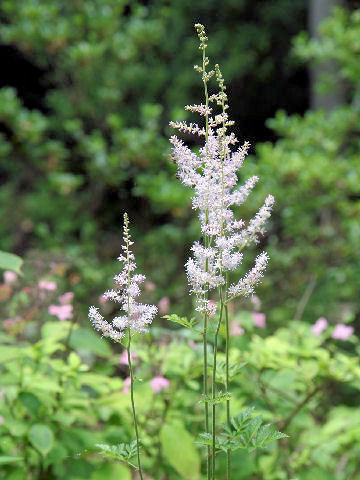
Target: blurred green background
(87,91)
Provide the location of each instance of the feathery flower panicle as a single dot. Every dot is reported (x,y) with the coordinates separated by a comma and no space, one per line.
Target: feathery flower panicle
(137,316)
(212,174)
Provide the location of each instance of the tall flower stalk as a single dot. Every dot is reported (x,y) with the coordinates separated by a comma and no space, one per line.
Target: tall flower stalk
(137,316)
(212,173)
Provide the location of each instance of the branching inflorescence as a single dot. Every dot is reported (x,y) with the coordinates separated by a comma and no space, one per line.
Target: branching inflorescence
(212,174)
(137,316)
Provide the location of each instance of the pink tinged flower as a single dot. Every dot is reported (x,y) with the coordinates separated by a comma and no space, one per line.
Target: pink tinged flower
(127,385)
(62,312)
(255,300)
(193,345)
(342,332)
(149,286)
(259,320)
(235,329)
(159,383)
(124,357)
(212,307)
(9,277)
(102,299)
(66,298)
(11,322)
(164,306)
(319,326)
(49,286)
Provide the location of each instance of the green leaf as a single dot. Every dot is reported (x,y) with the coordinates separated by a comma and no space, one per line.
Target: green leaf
(183,321)
(112,470)
(9,261)
(30,402)
(86,339)
(55,330)
(41,437)
(179,450)
(220,397)
(123,452)
(5,460)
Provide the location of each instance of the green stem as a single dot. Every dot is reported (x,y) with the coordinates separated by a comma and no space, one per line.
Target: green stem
(227,385)
(214,386)
(205,388)
(205,373)
(133,405)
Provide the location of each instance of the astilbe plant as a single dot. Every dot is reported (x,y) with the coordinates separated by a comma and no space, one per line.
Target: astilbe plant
(212,174)
(136,319)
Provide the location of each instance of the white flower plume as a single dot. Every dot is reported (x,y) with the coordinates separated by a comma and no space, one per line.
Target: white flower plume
(137,316)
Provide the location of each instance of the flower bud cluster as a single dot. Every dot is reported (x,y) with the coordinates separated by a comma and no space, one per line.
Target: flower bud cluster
(137,316)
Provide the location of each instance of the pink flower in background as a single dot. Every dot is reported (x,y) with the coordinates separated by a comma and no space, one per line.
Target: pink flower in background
(49,286)
(66,298)
(319,326)
(255,300)
(124,357)
(259,320)
(1,420)
(164,306)
(63,312)
(149,286)
(193,345)
(342,332)
(9,277)
(102,299)
(127,385)
(235,329)
(212,307)
(11,322)
(159,383)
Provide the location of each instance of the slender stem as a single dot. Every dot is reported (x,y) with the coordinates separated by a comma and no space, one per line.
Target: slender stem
(205,373)
(127,240)
(133,405)
(214,386)
(205,388)
(227,382)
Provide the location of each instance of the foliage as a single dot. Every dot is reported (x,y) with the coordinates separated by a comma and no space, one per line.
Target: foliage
(110,75)
(59,400)
(313,171)
(9,261)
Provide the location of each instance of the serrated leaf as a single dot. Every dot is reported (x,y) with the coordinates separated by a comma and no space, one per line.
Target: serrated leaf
(234,369)
(122,452)
(220,397)
(183,321)
(247,431)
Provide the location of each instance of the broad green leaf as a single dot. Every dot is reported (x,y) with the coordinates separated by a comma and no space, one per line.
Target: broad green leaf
(5,460)
(41,437)
(8,352)
(55,330)
(30,402)
(112,470)
(86,339)
(9,261)
(179,450)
